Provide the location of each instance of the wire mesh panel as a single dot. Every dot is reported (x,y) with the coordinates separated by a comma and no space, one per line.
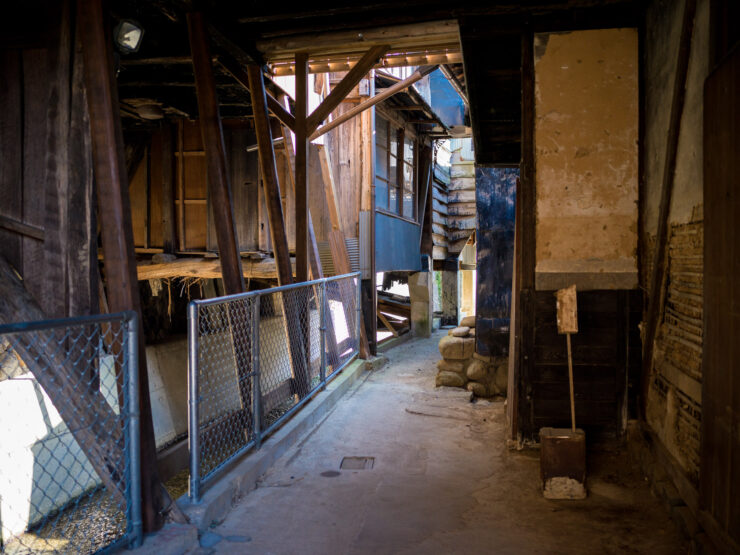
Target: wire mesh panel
(255,358)
(69,466)
(224,382)
(290,354)
(342,312)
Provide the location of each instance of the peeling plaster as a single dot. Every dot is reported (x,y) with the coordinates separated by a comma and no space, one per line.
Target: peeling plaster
(586,130)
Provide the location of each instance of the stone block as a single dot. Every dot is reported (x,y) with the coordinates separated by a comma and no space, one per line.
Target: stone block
(478,389)
(500,377)
(450,379)
(462,170)
(451,366)
(484,358)
(463,182)
(456,348)
(468,321)
(460,331)
(477,370)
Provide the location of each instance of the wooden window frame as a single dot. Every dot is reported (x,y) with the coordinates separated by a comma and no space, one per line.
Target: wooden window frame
(398,132)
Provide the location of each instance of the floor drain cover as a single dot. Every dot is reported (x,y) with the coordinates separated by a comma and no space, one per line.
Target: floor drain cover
(357,463)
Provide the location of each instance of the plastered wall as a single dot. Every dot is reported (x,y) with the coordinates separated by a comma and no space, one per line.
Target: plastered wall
(586,153)
(674,397)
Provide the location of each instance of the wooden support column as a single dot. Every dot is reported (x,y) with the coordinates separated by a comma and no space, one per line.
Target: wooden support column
(213,142)
(269,174)
(293,307)
(301,166)
(314,260)
(169,235)
(117,234)
(525,316)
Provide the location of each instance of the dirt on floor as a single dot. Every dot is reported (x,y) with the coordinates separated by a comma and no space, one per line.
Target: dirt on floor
(438,478)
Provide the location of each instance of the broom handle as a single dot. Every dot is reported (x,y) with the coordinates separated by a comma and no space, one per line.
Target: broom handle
(570,379)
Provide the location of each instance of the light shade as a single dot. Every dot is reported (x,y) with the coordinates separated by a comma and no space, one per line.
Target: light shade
(128,35)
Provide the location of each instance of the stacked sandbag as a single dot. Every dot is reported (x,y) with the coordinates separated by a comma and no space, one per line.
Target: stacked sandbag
(461,366)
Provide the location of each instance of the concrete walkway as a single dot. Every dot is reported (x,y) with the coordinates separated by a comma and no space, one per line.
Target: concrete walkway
(442,482)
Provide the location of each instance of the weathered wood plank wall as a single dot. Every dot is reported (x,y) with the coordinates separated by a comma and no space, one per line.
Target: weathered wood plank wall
(46,173)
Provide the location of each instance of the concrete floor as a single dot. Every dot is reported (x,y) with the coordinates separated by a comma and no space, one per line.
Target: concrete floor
(442,482)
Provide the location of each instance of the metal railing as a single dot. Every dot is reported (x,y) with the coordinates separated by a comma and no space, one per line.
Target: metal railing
(69,435)
(255,358)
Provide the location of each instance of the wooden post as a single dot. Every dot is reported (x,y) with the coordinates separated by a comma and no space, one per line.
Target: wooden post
(116,230)
(213,142)
(525,317)
(369,298)
(238,73)
(314,260)
(669,170)
(301,167)
(169,236)
(269,174)
(296,340)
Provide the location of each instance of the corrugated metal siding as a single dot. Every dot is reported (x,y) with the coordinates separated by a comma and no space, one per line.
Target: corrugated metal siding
(327,263)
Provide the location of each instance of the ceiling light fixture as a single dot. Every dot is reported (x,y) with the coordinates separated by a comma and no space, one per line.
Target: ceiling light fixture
(127,35)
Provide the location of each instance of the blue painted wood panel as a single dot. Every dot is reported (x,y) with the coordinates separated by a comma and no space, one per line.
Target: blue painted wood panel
(495,203)
(396,244)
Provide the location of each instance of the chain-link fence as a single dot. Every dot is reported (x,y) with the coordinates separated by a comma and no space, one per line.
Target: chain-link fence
(69,455)
(255,358)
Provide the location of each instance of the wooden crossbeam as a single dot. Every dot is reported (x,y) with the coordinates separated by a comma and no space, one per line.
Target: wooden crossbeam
(294,305)
(370,102)
(387,323)
(84,410)
(269,174)
(238,73)
(345,86)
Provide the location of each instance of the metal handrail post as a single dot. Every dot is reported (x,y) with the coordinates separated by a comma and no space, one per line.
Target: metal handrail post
(256,388)
(134,502)
(358,300)
(193,403)
(322,330)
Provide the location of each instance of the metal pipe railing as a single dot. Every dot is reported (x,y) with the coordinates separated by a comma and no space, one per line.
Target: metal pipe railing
(193,403)
(84,477)
(135,519)
(277,393)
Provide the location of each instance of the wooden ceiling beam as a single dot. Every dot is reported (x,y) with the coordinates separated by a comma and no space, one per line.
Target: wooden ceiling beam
(417,35)
(345,86)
